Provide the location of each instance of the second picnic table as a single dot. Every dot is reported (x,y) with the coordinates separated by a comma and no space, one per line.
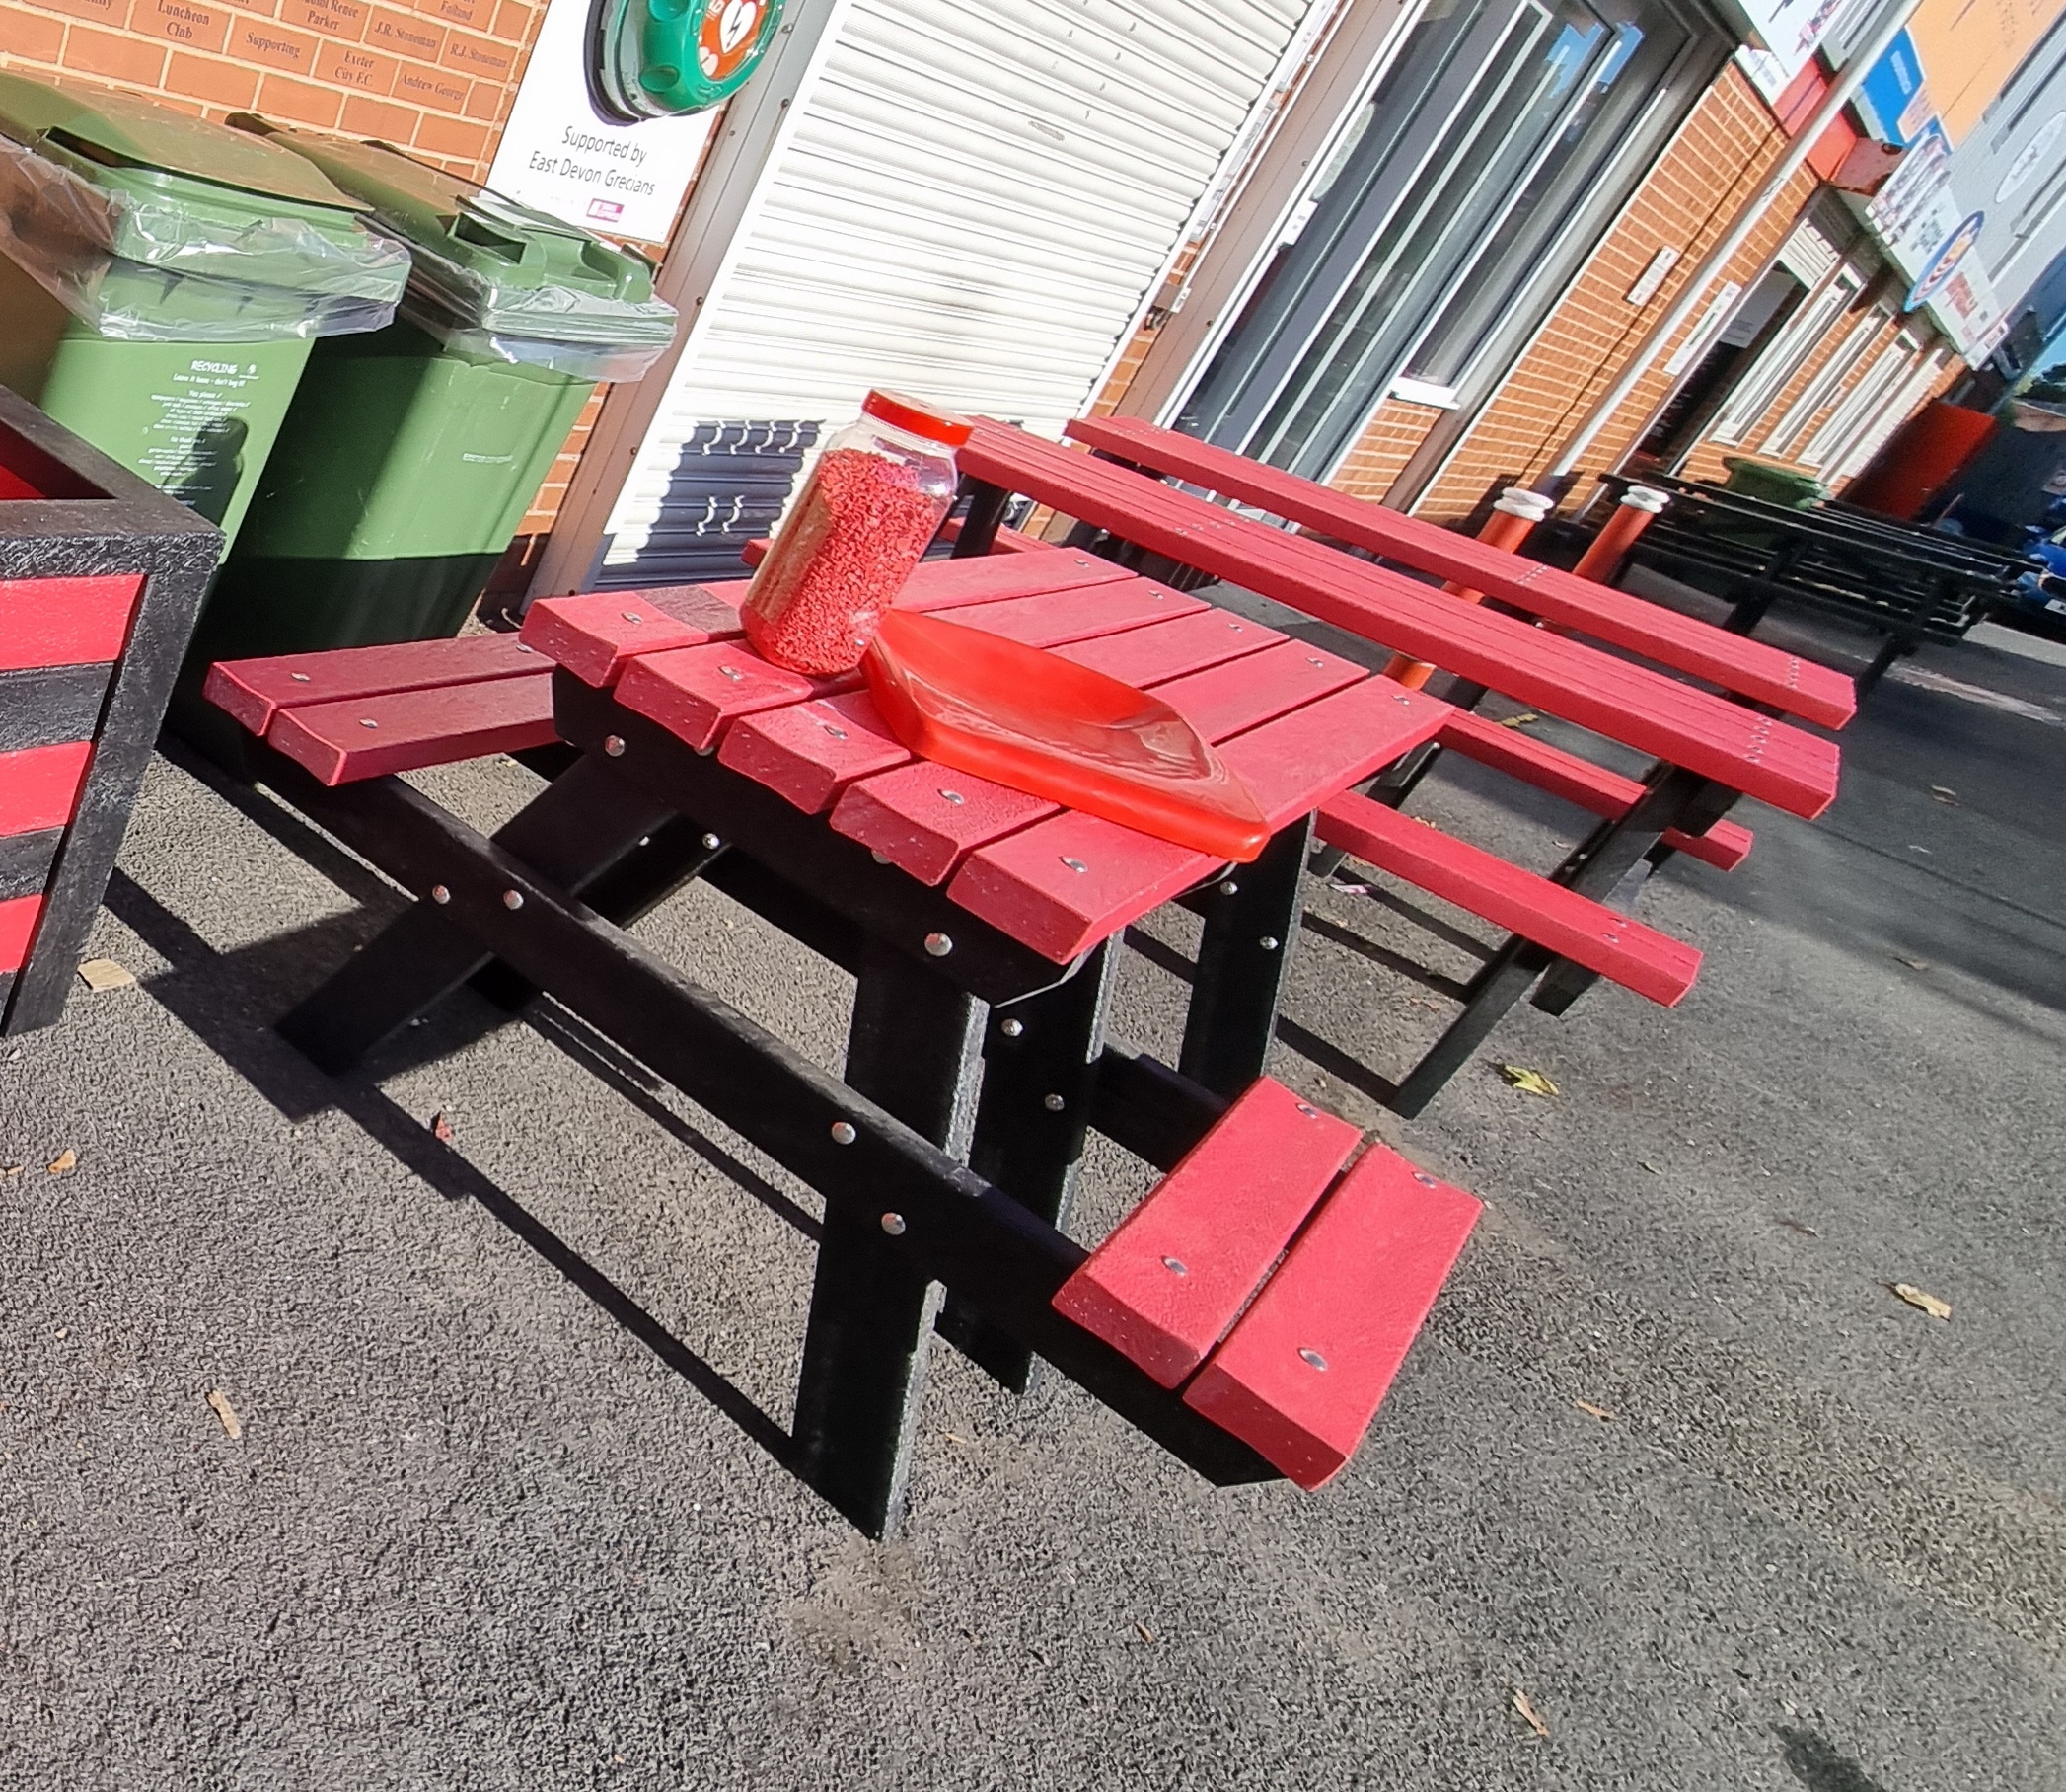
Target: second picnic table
(982,926)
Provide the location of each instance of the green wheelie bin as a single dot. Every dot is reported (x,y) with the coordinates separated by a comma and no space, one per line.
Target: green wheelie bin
(163,278)
(411,455)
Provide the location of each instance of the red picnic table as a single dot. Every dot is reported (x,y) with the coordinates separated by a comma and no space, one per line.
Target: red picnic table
(1709,746)
(982,928)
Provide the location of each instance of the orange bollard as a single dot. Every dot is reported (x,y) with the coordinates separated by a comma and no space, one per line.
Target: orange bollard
(1602,559)
(1513,518)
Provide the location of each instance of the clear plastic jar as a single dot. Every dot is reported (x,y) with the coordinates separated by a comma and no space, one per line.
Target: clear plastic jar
(874,503)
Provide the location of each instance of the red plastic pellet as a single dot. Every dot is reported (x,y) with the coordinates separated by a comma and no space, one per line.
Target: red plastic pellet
(862,525)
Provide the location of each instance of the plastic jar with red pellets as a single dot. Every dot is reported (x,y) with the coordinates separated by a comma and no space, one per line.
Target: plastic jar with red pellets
(873,502)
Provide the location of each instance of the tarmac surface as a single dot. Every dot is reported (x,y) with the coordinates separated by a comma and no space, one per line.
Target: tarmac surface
(1670,1461)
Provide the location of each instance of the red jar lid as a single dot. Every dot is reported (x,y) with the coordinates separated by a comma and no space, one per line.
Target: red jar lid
(918,417)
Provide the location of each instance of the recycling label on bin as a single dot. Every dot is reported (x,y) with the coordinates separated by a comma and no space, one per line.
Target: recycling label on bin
(196,431)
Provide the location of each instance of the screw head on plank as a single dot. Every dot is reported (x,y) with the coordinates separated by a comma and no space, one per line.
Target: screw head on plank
(939,944)
(1312,1357)
(614,745)
(842,1132)
(1013,1028)
(893,1224)
(440,895)
(512,899)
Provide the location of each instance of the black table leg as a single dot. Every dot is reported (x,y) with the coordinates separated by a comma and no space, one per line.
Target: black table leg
(572,832)
(1040,1084)
(914,1049)
(978,527)
(1674,797)
(1252,919)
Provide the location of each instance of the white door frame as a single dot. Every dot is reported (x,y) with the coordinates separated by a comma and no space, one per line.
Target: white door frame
(756,128)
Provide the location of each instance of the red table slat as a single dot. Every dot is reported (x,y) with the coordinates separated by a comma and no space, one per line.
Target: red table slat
(809,751)
(1189,643)
(411,729)
(255,691)
(1245,692)
(696,693)
(1752,668)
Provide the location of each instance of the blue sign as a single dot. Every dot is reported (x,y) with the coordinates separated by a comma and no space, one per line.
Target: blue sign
(1884,96)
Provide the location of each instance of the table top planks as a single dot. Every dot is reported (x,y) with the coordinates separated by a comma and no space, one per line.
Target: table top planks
(1658,715)
(1053,879)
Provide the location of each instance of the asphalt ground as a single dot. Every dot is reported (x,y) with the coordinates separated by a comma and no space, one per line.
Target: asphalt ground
(1670,1461)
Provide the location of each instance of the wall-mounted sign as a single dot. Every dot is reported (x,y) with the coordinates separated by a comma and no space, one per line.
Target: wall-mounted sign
(1943,259)
(564,155)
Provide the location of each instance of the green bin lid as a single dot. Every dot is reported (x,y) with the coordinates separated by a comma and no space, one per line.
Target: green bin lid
(482,261)
(113,130)
(93,180)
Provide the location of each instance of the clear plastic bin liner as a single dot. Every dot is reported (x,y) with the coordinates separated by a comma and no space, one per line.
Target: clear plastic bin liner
(579,360)
(140,268)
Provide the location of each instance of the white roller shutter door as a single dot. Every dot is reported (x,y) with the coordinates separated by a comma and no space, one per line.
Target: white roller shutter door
(977,205)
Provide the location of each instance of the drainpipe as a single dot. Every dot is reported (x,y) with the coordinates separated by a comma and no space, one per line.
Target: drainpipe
(1892,19)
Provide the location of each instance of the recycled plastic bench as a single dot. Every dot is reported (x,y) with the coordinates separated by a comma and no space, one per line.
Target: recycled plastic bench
(981,928)
(1708,749)
(100,578)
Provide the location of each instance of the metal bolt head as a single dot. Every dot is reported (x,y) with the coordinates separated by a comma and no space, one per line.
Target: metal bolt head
(1076,864)
(1012,1030)
(731,672)
(1312,1357)
(440,895)
(893,1224)
(512,899)
(939,944)
(300,677)
(631,616)
(1308,1111)
(1422,1176)
(1175,1266)
(836,733)
(1053,1103)
(366,722)
(711,842)
(614,745)
(1268,943)
(953,796)
(842,1132)
(1227,887)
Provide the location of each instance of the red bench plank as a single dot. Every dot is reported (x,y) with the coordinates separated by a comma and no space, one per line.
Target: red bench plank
(1165,1286)
(595,635)
(1162,650)
(40,786)
(16,929)
(808,752)
(254,691)
(1294,764)
(1228,698)
(1049,618)
(65,622)
(1750,668)
(411,729)
(1006,541)
(696,693)
(1587,933)
(1065,883)
(1667,720)
(926,819)
(1351,1296)
(1725,846)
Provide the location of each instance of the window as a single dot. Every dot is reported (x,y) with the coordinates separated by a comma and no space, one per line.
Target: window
(1789,351)
(1786,438)
(1494,123)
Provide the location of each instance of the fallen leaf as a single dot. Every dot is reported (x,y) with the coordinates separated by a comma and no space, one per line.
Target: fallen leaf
(1521,720)
(231,1423)
(1598,1412)
(1529,1082)
(1943,794)
(1928,1303)
(8,1171)
(62,1332)
(63,1163)
(105,974)
(1914,964)
(954,1437)
(1653,1168)
(441,1129)
(1146,1635)
(1799,1225)
(1528,1713)
(1350,889)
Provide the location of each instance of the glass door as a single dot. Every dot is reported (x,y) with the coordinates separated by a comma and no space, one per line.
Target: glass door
(1432,216)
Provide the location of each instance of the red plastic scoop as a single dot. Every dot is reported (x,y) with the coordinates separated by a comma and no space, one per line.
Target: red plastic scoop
(1035,723)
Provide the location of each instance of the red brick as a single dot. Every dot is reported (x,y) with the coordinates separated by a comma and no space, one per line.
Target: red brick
(300,102)
(133,59)
(364,117)
(451,137)
(342,20)
(405,33)
(214,83)
(478,57)
(113,13)
(431,88)
(273,45)
(32,37)
(354,67)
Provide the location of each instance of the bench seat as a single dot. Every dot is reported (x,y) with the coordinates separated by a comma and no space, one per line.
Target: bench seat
(1291,1353)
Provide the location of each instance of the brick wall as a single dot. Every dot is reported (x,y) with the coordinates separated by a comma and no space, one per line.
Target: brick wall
(433,76)
(1726,147)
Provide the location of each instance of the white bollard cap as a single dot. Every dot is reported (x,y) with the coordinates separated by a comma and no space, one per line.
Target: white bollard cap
(1646,498)
(1518,501)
